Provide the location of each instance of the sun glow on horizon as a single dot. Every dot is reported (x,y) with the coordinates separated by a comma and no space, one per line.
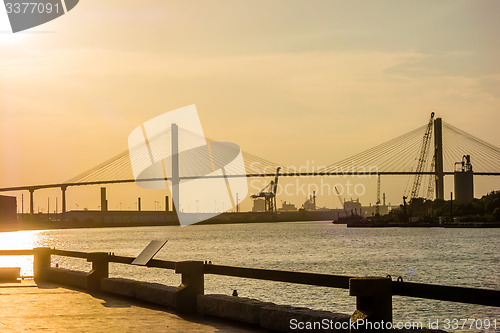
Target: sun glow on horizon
(19,240)
(7,37)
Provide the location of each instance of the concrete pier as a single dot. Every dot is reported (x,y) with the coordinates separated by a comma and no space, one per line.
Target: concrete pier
(48,307)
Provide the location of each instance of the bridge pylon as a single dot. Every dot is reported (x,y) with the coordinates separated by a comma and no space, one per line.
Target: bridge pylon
(438,158)
(175,167)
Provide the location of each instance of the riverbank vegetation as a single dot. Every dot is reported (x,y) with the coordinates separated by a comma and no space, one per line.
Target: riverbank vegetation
(485,209)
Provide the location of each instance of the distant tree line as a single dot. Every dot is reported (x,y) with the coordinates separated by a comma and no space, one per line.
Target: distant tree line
(486,209)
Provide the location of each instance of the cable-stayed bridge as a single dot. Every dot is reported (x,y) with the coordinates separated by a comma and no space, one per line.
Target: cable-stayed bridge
(428,153)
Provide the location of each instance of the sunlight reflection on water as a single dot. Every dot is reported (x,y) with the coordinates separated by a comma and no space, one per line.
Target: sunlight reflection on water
(466,257)
(18,240)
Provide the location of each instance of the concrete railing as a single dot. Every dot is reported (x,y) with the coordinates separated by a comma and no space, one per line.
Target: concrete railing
(373,294)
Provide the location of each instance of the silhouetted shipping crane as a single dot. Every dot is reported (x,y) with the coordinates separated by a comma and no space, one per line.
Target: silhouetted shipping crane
(269,194)
(422,158)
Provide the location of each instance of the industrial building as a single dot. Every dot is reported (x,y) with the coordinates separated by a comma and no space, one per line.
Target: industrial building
(8,213)
(464,181)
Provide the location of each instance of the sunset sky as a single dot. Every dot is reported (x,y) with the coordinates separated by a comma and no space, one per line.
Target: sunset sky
(289,81)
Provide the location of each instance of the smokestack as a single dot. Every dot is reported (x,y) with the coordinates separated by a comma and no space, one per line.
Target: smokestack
(104,202)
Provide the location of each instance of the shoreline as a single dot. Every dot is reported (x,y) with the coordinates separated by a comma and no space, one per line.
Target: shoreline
(97,219)
(470,225)
(120,219)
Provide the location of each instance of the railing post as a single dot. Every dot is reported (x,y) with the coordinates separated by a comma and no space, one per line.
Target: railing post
(373,304)
(41,261)
(100,270)
(193,284)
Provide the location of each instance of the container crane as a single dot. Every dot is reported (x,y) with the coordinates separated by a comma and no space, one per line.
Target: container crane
(269,194)
(422,158)
(341,201)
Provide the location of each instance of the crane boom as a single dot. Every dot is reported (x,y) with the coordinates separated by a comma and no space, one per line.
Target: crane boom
(275,185)
(377,207)
(430,186)
(422,158)
(340,198)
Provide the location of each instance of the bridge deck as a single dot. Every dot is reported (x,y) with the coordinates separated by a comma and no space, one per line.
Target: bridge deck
(47,307)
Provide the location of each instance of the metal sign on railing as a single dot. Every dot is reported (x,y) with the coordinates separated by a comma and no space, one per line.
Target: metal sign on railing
(149,252)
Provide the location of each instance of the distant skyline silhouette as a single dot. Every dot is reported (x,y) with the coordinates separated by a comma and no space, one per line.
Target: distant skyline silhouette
(289,81)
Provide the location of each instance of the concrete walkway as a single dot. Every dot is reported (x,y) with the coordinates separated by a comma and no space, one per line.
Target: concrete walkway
(27,307)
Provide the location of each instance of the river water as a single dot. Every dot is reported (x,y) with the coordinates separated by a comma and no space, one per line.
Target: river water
(460,257)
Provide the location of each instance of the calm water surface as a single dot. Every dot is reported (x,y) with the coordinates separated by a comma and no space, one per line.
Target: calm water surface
(461,257)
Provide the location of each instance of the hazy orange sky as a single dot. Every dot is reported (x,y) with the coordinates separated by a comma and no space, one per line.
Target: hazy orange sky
(287,80)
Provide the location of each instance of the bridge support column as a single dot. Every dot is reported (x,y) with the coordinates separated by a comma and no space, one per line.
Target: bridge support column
(438,157)
(63,197)
(32,211)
